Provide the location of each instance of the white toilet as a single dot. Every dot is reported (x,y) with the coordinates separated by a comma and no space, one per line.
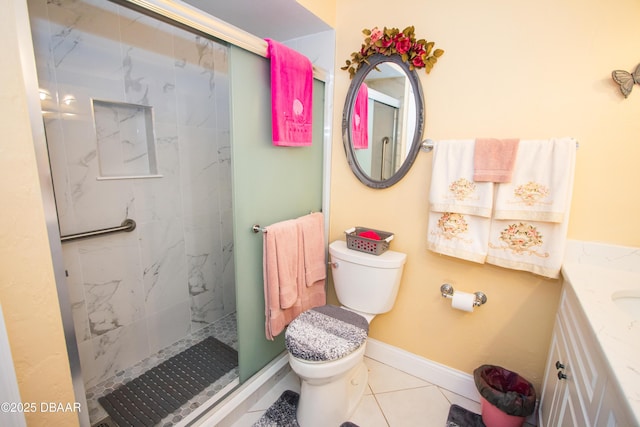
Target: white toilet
(326,344)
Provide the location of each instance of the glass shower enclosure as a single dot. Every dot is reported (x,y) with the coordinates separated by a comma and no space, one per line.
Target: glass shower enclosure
(165,129)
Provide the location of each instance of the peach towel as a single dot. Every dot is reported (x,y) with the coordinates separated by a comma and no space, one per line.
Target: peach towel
(280,260)
(315,265)
(277,314)
(493,159)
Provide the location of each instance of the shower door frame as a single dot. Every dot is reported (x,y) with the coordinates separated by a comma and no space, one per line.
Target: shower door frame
(182,15)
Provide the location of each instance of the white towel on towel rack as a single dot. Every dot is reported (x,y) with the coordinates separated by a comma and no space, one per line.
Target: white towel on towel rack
(534,246)
(459,235)
(542,179)
(530,233)
(452,187)
(460,209)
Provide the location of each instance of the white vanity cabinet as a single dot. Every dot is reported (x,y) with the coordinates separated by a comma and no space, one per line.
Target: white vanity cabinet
(612,413)
(576,390)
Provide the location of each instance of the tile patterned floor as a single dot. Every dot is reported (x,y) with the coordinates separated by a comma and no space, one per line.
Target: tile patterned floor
(393,399)
(224,330)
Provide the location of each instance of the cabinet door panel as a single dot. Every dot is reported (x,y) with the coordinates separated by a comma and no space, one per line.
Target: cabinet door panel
(612,411)
(571,410)
(552,389)
(570,413)
(589,374)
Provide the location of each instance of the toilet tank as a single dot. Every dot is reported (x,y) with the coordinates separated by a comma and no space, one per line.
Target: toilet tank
(365,282)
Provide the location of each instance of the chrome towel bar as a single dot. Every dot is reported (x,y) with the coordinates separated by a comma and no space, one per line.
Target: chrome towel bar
(427,145)
(126,226)
(257,229)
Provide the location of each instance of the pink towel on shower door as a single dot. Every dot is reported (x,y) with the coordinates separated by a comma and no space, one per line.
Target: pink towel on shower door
(291,96)
(360,119)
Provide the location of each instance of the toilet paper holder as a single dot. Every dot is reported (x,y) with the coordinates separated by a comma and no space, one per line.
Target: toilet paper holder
(447,292)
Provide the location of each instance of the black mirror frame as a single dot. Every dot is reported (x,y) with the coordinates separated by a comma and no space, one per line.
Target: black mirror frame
(357,80)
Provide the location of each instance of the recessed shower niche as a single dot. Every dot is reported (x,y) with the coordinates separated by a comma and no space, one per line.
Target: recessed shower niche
(125,140)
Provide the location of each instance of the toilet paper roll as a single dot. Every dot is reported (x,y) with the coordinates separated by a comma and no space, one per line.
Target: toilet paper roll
(463,301)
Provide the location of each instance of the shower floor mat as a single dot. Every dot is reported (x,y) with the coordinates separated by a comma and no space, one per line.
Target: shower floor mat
(147,399)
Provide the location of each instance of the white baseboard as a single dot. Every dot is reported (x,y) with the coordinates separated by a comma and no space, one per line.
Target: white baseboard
(443,376)
(433,372)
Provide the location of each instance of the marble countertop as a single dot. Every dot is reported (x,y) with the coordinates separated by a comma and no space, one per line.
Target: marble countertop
(595,271)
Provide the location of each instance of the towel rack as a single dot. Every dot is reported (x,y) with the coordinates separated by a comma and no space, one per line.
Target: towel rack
(427,145)
(257,229)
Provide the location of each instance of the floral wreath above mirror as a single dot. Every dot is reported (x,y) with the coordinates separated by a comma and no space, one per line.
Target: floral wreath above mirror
(416,53)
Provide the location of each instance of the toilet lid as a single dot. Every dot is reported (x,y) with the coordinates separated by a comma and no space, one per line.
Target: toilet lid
(326,333)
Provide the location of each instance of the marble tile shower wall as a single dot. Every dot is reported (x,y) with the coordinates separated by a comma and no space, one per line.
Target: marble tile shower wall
(135,293)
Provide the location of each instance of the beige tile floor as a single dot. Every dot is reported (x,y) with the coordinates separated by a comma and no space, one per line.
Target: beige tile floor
(393,399)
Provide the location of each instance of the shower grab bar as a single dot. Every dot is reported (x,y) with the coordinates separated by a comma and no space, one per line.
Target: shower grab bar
(385,144)
(126,226)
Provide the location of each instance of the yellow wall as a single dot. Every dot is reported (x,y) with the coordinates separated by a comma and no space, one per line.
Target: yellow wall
(323,9)
(524,69)
(27,287)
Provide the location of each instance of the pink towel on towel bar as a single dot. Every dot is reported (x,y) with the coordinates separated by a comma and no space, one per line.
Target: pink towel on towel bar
(315,265)
(291,96)
(277,314)
(360,119)
(281,261)
(278,317)
(493,159)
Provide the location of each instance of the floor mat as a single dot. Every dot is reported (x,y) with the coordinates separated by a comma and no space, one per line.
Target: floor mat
(283,412)
(158,392)
(460,417)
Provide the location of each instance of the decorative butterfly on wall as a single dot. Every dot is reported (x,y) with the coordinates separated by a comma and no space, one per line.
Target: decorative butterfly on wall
(626,80)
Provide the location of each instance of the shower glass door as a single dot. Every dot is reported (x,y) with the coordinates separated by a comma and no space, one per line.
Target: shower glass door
(137,118)
(384,119)
(270,184)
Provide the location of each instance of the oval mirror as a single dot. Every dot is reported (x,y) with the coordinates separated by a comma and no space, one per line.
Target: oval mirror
(383,121)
